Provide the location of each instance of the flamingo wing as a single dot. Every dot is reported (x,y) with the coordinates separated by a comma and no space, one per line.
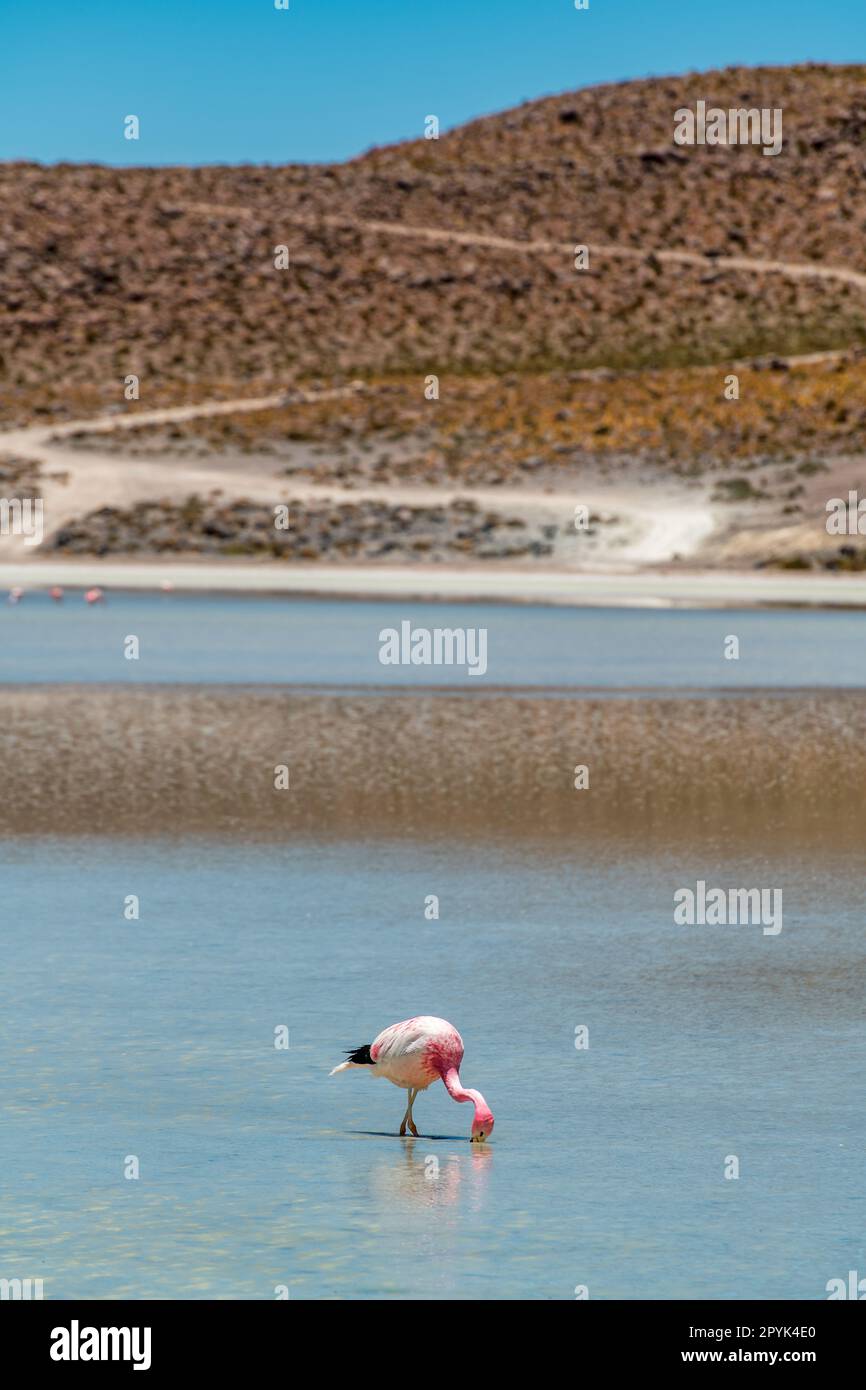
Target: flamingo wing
(415,1035)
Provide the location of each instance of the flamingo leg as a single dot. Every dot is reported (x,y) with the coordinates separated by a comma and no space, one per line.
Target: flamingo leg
(407,1118)
(413,1096)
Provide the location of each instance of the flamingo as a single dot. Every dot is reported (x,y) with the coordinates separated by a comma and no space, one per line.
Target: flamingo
(412,1055)
(16,594)
(94,595)
(56,593)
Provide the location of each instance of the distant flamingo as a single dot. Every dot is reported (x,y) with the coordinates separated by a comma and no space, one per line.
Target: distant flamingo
(94,595)
(56,593)
(16,594)
(413,1055)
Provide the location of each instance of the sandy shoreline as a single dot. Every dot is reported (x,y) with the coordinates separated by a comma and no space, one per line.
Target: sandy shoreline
(697,589)
(654,555)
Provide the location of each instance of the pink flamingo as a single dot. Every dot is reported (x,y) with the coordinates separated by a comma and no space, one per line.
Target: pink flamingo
(94,595)
(16,594)
(413,1055)
(56,593)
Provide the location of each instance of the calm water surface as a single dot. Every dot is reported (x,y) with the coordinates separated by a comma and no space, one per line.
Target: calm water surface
(259,640)
(155,1037)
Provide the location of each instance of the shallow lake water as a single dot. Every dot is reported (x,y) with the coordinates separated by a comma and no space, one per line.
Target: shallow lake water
(189,637)
(305,910)
(155,1038)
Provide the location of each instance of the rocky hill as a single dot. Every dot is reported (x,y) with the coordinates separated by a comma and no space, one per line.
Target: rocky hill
(169,273)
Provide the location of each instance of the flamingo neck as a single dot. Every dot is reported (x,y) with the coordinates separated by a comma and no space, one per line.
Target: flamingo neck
(456,1089)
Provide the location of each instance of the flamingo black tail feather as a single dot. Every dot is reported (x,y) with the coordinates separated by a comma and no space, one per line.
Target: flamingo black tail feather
(356,1057)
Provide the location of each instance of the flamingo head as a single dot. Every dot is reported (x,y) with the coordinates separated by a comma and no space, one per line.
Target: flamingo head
(482,1125)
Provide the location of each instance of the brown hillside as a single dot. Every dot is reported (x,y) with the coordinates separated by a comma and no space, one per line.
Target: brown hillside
(169,274)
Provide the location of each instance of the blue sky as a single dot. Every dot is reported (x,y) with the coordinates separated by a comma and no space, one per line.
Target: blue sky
(229,81)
